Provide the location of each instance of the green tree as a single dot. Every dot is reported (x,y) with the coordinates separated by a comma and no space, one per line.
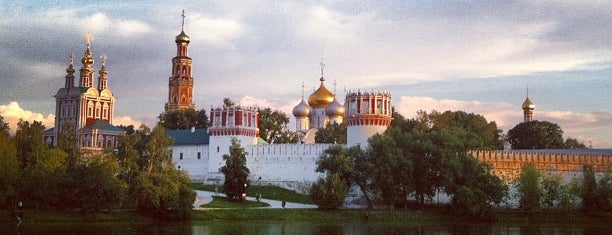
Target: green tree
(472,186)
(4,128)
(604,192)
(228,103)
(67,141)
(392,171)
(552,190)
(473,130)
(528,188)
(536,135)
(28,139)
(235,171)
(335,160)
(329,193)
(572,143)
(9,170)
(351,165)
(94,178)
(273,127)
(184,119)
(333,133)
(158,187)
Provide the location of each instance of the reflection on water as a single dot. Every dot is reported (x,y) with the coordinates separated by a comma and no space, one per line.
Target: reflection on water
(293,227)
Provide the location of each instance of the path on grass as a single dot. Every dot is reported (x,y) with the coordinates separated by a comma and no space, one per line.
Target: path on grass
(204,197)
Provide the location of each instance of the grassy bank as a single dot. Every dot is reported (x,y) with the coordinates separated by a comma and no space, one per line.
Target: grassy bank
(223,202)
(267,192)
(52,216)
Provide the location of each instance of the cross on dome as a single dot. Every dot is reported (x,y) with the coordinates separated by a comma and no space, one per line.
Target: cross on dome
(103,57)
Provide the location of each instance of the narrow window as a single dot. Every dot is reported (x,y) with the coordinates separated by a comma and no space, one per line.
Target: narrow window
(180,156)
(199,155)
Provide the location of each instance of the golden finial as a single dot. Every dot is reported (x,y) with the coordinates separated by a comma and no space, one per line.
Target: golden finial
(103,57)
(303,89)
(322,66)
(183,24)
(71,56)
(89,38)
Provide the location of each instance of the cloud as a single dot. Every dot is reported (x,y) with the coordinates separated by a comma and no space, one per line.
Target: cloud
(126,121)
(216,31)
(12,113)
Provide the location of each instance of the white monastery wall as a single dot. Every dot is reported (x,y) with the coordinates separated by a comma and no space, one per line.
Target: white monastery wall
(192,158)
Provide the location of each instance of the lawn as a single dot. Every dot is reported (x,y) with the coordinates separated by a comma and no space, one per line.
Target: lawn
(267,192)
(222,202)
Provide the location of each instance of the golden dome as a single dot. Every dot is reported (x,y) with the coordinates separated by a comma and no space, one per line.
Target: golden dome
(182,37)
(528,105)
(301,110)
(335,109)
(322,97)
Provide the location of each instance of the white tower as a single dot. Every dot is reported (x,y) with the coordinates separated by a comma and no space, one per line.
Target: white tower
(228,123)
(368,113)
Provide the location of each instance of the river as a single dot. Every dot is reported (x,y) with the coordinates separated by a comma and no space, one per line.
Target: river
(293,227)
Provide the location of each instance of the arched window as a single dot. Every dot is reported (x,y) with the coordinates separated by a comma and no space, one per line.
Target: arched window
(98,107)
(90,109)
(105,111)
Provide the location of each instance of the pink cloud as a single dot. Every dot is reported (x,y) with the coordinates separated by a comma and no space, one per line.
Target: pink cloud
(12,113)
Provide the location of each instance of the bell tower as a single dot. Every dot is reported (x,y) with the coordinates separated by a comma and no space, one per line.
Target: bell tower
(180,92)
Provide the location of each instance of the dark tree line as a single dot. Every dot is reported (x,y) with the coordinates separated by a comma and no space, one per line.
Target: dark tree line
(540,135)
(138,174)
(413,160)
(537,191)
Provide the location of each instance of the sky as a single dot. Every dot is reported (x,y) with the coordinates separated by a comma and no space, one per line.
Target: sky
(475,56)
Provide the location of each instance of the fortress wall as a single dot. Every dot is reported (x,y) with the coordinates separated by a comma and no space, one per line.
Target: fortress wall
(508,164)
(284,162)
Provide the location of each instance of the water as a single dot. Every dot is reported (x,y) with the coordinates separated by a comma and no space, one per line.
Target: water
(293,227)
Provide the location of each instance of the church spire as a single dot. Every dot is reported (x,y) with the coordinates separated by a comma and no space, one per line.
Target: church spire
(180,92)
(528,108)
(87,71)
(103,79)
(70,73)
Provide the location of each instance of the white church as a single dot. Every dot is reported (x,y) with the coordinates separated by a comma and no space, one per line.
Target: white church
(200,151)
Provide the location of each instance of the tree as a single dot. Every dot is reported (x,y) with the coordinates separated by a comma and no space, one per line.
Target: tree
(235,171)
(4,128)
(528,188)
(329,193)
(472,129)
(352,166)
(95,178)
(184,119)
(572,143)
(67,141)
(9,170)
(536,135)
(333,133)
(392,171)
(28,139)
(552,190)
(158,187)
(472,186)
(228,103)
(273,127)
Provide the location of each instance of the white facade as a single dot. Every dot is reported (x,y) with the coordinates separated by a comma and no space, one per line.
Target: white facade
(269,163)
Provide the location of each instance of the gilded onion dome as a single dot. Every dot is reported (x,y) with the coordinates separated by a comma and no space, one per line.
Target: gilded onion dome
(322,97)
(182,37)
(335,109)
(528,105)
(301,110)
